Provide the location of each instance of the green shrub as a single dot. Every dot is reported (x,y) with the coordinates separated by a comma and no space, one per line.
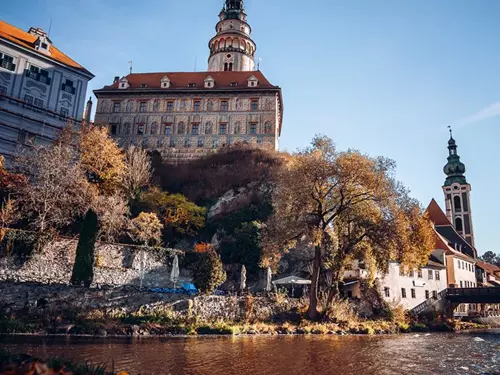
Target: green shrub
(220,329)
(208,272)
(419,327)
(83,269)
(22,244)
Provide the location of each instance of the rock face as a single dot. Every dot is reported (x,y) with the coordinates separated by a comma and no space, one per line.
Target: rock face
(236,199)
(115,265)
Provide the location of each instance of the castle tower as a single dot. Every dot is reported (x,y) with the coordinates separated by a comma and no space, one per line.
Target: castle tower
(232,49)
(457,194)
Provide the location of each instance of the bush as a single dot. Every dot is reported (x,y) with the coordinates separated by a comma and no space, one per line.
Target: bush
(208,272)
(22,244)
(219,329)
(83,269)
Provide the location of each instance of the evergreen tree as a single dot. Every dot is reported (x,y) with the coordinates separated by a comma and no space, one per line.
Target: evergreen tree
(83,269)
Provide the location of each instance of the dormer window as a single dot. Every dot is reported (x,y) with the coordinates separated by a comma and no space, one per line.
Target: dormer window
(233,84)
(144,85)
(209,82)
(253,81)
(42,43)
(7,62)
(123,83)
(165,83)
(191,85)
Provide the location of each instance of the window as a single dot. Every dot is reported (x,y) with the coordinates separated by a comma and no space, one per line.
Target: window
(64,113)
(116,107)
(224,106)
(253,128)
(172,143)
(403,293)
(419,274)
(181,128)
(438,275)
(457,203)
(461,284)
(459,265)
(156,105)
(434,294)
(208,128)
(233,84)
(197,106)
(200,142)
(170,106)
(413,293)
(222,129)
(68,87)
(38,74)
(412,273)
(195,129)
(142,107)
(28,99)
(114,129)
(214,143)
(387,292)
(430,274)
(144,85)
(140,129)
(427,294)
(38,103)
(254,105)
(458,224)
(191,84)
(7,62)
(168,129)
(187,143)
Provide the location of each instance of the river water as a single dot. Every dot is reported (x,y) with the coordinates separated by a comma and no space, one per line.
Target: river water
(462,353)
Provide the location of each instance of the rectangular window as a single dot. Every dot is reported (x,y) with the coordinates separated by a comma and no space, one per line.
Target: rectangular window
(253,129)
(142,107)
(427,294)
(168,129)
(413,293)
(438,276)
(116,107)
(459,265)
(68,87)
(170,106)
(461,284)
(197,106)
(387,292)
(114,129)
(38,103)
(430,274)
(172,143)
(38,74)
(222,129)
(254,105)
(195,129)
(64,113)
(403,292)
(419,274)
(434,294)
(7,62)
(28,99)
(214,143)
(187,143)
(140,129)
(224,105)
(200,142)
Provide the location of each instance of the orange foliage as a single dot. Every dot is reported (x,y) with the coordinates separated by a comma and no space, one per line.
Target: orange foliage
(202,247)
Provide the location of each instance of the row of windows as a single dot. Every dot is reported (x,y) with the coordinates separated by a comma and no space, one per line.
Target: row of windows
(7,62)
(200,143)
(194,129)
(197,106)
(430,274)
(467,284)
(465,266)
(413,292)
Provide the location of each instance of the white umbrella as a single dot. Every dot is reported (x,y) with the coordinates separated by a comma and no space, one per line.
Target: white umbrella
(243,278)
(174,275)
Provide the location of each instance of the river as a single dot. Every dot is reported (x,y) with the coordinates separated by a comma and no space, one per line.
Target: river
(462,353)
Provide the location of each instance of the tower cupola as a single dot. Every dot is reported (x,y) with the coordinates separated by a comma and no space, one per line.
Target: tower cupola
(454,168)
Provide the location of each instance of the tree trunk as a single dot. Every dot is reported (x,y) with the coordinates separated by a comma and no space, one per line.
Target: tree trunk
(337,278)
(312,312)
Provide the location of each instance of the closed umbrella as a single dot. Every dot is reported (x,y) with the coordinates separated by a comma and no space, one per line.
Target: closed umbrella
(269,277)
(243,278)
(174,275)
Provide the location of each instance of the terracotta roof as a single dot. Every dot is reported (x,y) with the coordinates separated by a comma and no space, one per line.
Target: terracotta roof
(490,268)
(182,80)
(26,40)
(436,214)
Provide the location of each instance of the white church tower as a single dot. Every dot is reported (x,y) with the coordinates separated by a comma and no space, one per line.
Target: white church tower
(232,49)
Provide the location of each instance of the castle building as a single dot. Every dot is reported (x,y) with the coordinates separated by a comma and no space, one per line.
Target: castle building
(41,89)
(185,115)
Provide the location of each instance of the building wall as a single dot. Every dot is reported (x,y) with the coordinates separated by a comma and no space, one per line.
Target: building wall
(23,124)
(192,131)
(395,282)
(465,273)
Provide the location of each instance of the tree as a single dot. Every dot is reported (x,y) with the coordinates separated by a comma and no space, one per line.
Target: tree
(242,247)
(344,204)
(146,229)
(102,159)
(57,191)
(113,213)
(208,272)
(137,171)
(10,183)
(491,258)
(83,268)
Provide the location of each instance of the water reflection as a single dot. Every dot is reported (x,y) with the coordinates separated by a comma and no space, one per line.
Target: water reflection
(406,354)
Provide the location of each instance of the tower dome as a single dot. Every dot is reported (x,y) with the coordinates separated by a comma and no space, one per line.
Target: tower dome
(454,168)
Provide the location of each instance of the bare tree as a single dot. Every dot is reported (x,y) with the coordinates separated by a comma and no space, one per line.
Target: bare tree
(137,171)
(113,214)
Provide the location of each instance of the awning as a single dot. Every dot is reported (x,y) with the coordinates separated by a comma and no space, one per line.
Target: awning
(293,280)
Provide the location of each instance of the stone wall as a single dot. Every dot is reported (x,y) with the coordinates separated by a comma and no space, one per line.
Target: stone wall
(116,265)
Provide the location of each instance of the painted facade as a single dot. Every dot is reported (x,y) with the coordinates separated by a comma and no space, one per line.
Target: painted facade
(41,89)
(188,115)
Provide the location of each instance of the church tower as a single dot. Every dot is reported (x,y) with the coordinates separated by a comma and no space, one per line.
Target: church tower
(457,194)
(232,49)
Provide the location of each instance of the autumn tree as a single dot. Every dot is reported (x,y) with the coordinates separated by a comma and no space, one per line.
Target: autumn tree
(57,191)
(113,213)
(345,204)
(146,229)
(102,159)
(208,272)
(137,173)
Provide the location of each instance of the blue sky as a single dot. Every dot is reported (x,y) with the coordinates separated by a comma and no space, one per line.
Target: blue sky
(385,77)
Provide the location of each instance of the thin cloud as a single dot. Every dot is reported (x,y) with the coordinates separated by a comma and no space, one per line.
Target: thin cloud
(491,111)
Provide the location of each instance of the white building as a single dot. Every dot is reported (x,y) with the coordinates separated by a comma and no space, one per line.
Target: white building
(41,89)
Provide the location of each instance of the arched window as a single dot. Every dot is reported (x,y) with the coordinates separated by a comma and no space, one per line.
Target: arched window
(181,129)
(457,203)
(208,128)
(230,67)
(226,67)
(458,224)
(237,128)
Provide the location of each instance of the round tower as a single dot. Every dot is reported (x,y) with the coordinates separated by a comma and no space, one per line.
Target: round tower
(232,48)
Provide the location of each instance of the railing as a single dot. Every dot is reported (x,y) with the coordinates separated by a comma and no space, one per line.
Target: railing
(429,302)
(468,292)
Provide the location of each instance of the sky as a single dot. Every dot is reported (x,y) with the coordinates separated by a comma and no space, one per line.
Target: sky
(384,77)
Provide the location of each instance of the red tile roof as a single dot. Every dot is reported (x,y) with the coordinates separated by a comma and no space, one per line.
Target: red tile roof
(490,268)
(182,80)
(26,40)
(436,214)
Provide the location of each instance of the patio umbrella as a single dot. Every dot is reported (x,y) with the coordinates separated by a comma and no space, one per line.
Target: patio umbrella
(174,275)
(243,278)
(269,277)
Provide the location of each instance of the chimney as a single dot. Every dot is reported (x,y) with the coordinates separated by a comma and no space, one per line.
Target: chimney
(88,111)
(116,79)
